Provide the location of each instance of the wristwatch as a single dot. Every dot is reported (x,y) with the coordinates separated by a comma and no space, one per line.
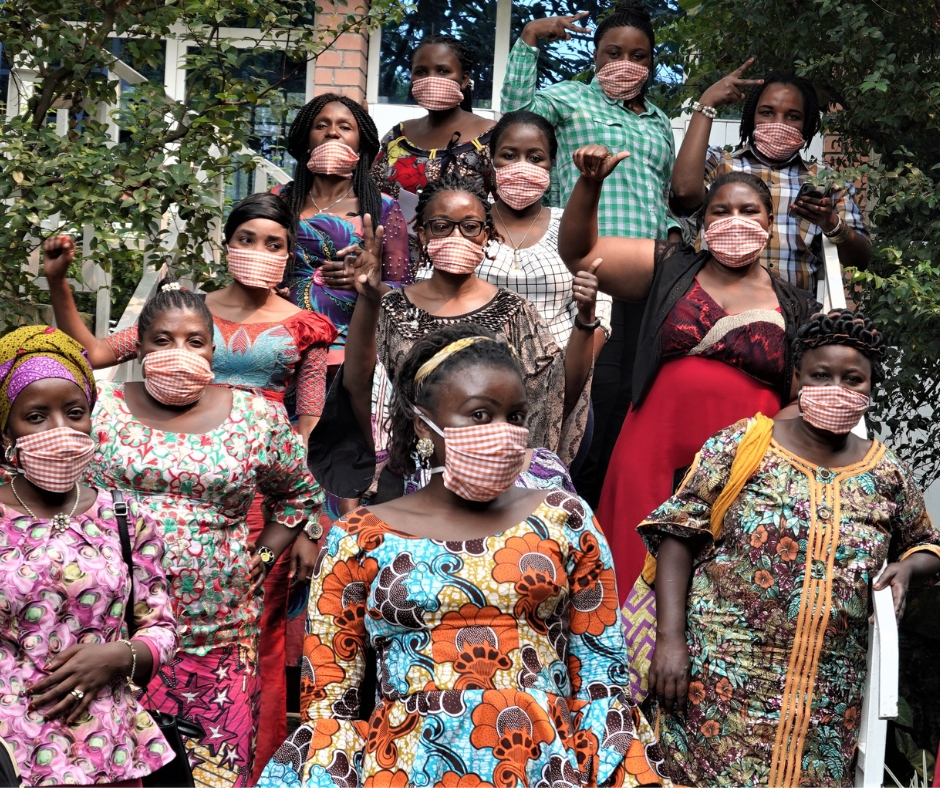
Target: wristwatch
(268,559)
(313,530)
(587,326)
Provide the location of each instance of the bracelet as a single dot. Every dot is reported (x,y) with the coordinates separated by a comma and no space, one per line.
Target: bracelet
(587,326)
(133,648)
(840,234)
(708,112)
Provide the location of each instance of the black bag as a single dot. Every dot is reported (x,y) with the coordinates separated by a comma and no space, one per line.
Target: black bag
(177,773)
(9,774)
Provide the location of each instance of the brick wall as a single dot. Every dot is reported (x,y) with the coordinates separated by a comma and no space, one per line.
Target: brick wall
(343,67)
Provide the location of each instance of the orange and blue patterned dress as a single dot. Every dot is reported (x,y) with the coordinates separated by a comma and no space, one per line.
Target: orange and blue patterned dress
(501,661)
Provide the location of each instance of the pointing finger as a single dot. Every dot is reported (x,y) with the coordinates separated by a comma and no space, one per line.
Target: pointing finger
(748,82)
(743,67)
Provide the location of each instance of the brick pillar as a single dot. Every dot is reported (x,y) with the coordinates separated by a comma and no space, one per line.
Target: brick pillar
(343,67)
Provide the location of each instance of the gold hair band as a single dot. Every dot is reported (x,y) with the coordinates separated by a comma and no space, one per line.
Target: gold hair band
(445,353)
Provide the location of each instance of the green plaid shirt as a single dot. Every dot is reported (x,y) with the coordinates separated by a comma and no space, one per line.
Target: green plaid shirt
(635,196)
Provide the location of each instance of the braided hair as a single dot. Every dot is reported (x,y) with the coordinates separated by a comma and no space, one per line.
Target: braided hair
(169,296)
(405,398)
(263,205)
(464,56)
(811,108)
(627,13)
(522,117)
(843,327)
(751,181)
(298,146)
(452,182)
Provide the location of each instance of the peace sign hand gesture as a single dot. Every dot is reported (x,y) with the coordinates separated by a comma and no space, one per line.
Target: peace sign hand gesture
(367,263)
(553,28)
(596,162)
(730,88)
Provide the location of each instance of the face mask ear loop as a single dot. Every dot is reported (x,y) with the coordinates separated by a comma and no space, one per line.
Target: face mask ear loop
(430,423)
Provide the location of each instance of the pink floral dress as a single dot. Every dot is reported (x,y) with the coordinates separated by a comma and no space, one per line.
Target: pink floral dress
(59,590)
(199,488)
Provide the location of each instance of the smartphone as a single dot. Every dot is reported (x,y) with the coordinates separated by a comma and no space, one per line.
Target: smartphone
(808,189)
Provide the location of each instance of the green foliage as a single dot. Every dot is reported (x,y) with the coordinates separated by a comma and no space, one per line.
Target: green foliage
(879,64)
(121,166)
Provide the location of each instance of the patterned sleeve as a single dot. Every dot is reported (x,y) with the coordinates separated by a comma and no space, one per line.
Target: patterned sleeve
(124,343)
(713,158)
(845,205)
(381,172)
(688,513)
(520,87)
(333,666)
(153,612)
(291,496)
(602,310)
(396,256)
(597,655)
(311,382)
(912,529)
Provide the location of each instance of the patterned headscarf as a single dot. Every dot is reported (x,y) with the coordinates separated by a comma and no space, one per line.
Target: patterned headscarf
(35,353)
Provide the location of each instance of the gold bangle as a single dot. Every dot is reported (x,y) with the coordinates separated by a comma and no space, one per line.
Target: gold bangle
(133,648)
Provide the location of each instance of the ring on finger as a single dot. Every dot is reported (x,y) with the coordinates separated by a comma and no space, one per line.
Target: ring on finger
(77,694)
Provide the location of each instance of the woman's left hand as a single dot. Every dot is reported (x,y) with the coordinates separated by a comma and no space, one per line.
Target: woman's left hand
(818,210)
(303,557)
(256,571)
(898,576)
(584,290)
(86,669)
(338,274)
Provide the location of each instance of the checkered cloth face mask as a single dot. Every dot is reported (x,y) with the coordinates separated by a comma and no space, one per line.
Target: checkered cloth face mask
(622,80)
(832,408)
(437,93)
(333,158)
(735,241)
(256,269)
(482,461)
(777,141)
(176,376)
(455,254)
(56,459)
(520,184)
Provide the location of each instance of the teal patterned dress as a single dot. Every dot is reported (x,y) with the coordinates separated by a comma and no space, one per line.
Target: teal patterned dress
(778,610)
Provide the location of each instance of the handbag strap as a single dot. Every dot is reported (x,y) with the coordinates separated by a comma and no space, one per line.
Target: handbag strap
(120,514)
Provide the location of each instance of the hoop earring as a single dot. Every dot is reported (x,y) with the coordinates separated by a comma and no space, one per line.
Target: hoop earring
(9,455)
(424,449)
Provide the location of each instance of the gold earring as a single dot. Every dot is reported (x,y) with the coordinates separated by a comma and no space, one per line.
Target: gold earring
(425,448)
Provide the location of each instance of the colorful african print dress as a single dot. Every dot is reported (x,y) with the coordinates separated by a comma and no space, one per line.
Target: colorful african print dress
(319,238)
(199,488)
(58,590)
(778,610)
(500,661)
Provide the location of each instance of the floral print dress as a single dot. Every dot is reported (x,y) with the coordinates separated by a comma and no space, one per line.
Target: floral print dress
(58,590)
(199,487)
(501,661)
(778,610)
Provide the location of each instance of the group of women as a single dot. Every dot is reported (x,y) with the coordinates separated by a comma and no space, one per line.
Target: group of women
(421,390)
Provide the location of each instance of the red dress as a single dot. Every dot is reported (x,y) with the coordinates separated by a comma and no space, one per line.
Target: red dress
(717,368)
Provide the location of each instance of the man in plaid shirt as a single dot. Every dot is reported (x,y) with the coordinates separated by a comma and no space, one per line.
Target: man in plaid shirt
(780,117)
(613,111)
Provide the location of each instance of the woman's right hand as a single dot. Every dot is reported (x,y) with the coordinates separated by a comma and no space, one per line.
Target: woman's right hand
(57,255)
(596,162)
(669,674)
(553,28)
(367,265)
(730,88)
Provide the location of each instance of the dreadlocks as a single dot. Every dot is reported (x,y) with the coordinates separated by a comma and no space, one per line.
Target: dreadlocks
(811,108)
(298,146)
(464,56)
(843,327)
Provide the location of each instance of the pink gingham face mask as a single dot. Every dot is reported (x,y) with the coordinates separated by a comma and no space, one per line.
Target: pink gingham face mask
(735,241)
(176,377)
(333,158)
(777,141)
(455,254)
(482,461)
(520,184)
(833,408)
(622,80)
(256,269)
(56,459)
(437,93)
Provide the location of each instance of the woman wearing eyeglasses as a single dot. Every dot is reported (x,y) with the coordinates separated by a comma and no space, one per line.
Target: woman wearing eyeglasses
(454,226)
